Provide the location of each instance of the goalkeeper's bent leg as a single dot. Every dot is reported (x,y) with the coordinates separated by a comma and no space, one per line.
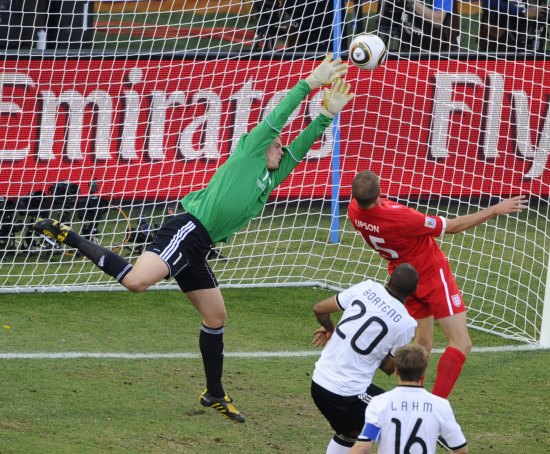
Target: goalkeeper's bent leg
(107,261)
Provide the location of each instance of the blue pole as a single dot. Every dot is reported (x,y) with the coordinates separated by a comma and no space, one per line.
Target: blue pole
(335,174)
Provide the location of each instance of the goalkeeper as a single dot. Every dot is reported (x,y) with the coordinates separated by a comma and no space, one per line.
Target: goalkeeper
(236,193)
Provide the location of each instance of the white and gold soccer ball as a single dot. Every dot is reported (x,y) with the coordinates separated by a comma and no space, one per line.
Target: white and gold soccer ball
(367,51)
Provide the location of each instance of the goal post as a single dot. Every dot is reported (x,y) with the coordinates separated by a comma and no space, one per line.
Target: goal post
(108,125)
(545,319)
(335,167)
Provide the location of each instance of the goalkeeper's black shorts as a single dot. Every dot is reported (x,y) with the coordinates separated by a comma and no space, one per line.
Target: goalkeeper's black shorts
(183,243)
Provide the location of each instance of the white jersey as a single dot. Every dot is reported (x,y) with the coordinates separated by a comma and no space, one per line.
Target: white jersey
(373,324)
(409,419)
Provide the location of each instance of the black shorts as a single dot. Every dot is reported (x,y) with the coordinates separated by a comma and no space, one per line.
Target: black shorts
(183,243)
(345,414)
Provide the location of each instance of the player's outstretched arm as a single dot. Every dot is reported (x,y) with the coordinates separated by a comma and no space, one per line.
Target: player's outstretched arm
(336,98)
(327,72)
(513,205)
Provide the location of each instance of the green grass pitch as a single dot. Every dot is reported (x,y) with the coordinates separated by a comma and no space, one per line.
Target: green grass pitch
(95,405)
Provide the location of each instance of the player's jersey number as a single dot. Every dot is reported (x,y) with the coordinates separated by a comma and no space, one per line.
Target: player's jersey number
(377,244)
(413,439)
(368,322)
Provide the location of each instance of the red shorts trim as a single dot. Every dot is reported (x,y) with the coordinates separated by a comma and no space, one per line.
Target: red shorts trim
(436,295)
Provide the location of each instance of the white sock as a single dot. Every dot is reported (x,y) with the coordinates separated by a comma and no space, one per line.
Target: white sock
(336,448)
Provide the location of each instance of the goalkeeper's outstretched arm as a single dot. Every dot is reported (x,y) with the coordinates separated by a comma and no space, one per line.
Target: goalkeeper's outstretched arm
(265,132)
(334,101)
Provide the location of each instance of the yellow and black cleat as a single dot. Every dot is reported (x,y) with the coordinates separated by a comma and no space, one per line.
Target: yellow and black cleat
(224,405)
(52,229)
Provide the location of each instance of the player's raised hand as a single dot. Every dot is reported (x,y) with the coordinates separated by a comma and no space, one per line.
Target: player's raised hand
(336,98)
(321,337)
(513,205)
(327,72)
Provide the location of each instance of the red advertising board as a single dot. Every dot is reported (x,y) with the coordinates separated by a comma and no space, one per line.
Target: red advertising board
(145,128)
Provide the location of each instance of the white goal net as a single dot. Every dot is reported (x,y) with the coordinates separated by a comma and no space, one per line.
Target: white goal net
(110,112)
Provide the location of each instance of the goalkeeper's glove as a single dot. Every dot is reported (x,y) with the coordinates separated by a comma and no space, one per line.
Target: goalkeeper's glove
(327,72)
(336,98)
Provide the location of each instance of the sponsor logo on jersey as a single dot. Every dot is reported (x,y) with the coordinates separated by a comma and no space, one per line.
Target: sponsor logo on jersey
(430,223)
(456,300)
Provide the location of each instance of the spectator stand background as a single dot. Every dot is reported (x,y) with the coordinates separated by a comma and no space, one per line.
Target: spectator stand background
(227,26)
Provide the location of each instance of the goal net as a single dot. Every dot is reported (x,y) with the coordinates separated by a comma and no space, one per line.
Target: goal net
(111,112)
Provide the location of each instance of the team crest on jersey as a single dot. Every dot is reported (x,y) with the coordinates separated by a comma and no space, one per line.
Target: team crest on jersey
(456,300)
(430,223)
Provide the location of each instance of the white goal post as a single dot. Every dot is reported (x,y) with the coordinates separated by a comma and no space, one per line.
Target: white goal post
(110,112)
(544,340)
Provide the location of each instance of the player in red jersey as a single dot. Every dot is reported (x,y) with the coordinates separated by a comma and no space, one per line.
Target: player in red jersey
(403,235)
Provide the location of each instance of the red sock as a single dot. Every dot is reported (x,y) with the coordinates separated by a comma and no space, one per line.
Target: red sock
(448,370)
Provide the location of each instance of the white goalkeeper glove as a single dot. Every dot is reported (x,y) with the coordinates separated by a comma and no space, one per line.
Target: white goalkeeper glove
(327,72)
(336,98)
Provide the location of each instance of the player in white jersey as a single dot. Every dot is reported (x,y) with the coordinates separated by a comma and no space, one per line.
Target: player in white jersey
(409,419)
(374,324)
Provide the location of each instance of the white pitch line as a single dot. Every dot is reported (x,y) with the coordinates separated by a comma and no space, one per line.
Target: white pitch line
(280,354)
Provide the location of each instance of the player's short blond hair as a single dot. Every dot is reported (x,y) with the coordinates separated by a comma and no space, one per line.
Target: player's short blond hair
(411,362)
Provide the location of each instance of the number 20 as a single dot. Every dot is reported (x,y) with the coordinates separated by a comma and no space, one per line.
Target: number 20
(361,330)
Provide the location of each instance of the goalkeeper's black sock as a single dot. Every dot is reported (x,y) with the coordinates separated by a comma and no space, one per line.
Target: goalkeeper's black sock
(211,347)
(107,261)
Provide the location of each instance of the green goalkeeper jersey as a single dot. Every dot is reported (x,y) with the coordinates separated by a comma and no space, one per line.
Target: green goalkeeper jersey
(241,186)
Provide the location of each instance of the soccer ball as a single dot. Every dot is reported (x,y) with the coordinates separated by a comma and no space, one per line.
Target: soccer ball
(367,51)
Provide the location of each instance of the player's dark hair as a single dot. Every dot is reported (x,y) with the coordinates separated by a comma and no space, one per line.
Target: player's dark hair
(403,281)
(411,362)
(365,188)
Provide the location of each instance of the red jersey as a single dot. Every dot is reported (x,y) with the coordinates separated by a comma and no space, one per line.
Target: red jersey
(401,235)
